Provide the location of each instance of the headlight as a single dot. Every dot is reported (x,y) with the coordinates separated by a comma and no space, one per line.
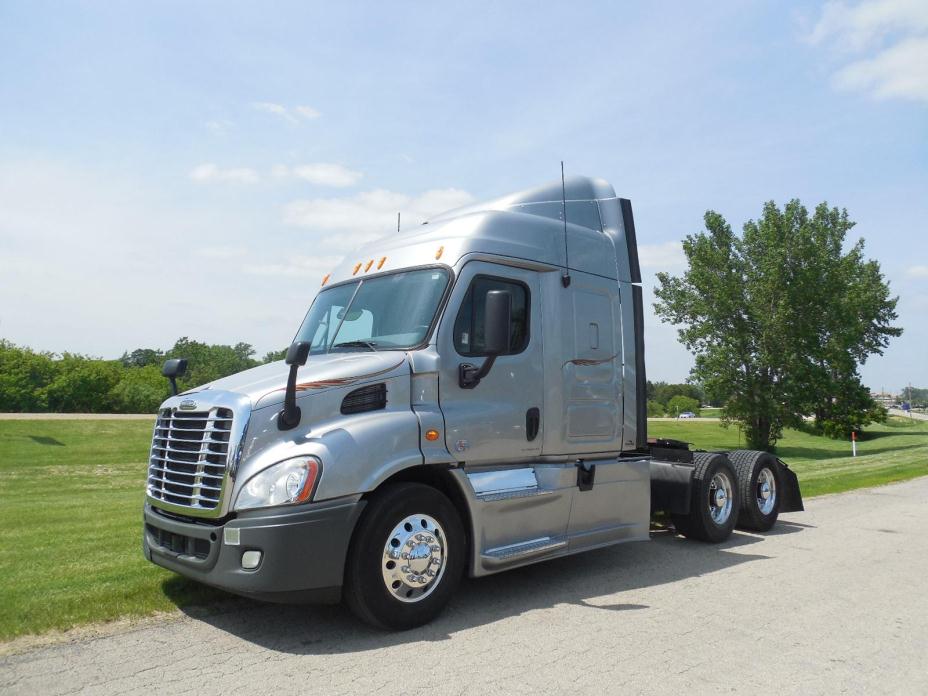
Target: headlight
(286,483)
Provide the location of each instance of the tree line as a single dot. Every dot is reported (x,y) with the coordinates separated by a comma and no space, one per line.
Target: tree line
(39,382)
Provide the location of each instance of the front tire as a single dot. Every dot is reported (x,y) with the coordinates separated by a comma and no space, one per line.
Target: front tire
(406,557)
(715,502)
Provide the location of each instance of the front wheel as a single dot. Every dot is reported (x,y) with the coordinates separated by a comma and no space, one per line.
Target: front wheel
(715,501)
(406,557)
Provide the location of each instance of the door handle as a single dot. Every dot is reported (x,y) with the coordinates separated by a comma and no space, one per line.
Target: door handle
(532,423)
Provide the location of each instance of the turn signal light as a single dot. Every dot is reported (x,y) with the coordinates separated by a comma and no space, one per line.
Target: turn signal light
(431,435)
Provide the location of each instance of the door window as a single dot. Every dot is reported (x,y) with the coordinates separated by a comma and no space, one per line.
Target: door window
(468,326)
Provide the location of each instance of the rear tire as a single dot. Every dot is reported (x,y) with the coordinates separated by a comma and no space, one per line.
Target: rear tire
(406,557)
(760,487)
(715,502)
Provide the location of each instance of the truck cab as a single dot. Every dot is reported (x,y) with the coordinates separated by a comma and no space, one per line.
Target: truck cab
(463,397)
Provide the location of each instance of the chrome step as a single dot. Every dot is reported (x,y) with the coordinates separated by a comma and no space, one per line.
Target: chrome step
(511,495)
(504,555)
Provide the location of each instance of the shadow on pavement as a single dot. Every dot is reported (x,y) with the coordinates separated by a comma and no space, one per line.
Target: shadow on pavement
(578,580)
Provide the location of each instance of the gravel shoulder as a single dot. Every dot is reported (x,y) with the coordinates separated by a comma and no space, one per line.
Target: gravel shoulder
(832,601)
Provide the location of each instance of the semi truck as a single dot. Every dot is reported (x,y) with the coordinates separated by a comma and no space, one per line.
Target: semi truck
(463,397)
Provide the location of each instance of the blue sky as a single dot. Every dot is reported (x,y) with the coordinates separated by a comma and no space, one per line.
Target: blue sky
(172,169)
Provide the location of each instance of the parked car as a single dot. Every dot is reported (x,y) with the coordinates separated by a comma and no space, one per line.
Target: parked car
(687,414)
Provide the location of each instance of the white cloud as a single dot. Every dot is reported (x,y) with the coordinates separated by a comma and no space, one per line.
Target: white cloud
(306,112)
(917,271)
(884,44)
(661,257)
(353,220)
(899,71)
(322,173)
(211,172)
(290,114)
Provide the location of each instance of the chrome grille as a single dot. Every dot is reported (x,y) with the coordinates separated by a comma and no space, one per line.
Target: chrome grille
(189,453)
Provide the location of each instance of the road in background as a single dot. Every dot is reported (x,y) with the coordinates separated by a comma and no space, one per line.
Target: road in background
(77,416)
(833,601)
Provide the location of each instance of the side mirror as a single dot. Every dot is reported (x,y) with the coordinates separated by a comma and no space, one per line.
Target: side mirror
(297,354)
(172,369)
(496,321)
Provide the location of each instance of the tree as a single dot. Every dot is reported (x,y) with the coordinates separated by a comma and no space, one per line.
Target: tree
(681,404)
(141,390)
(24,376)
(662,392)
(655,409)
(274,355)
(780,318)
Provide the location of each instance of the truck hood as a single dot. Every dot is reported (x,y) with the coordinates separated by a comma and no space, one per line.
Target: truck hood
(265,385)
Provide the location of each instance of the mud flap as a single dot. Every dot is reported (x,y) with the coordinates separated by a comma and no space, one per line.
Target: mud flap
(791,496)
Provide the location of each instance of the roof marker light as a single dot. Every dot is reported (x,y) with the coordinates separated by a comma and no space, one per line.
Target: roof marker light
(368,266)
(356,269)
(382,261)
(326,278)
(441,250)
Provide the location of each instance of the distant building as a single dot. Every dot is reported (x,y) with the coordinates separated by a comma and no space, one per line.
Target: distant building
(884,398)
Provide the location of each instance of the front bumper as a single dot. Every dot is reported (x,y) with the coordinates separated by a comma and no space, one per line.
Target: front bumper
(302,550)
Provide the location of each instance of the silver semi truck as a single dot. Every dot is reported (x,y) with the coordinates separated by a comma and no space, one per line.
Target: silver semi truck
(464,397)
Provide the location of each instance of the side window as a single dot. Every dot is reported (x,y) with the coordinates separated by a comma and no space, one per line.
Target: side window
(468,326)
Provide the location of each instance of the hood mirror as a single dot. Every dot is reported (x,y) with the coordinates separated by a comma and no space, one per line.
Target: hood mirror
(297,354)
(172,369)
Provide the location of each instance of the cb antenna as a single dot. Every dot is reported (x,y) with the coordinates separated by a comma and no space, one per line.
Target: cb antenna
(565,277)
(397,222)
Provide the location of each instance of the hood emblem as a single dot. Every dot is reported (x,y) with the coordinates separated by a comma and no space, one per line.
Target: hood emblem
(188,405)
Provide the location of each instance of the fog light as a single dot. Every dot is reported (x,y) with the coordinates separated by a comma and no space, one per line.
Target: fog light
(251,560)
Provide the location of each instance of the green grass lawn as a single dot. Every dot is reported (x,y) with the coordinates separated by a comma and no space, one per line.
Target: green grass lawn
(71,496)
(70,527)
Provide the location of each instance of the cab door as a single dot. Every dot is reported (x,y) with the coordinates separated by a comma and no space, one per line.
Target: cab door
(500,419)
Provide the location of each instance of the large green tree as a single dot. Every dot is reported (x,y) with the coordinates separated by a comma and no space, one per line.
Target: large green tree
(780,319)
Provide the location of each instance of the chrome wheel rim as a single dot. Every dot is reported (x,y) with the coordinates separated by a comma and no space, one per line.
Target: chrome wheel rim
(414,557)
(720,491)
(766,491)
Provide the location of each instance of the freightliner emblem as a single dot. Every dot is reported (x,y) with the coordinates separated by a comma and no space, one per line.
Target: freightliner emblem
(188,405)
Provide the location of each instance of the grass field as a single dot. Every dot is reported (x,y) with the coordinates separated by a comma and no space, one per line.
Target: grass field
(71,495)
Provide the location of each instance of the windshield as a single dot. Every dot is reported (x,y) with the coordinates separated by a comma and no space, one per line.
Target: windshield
(388,312)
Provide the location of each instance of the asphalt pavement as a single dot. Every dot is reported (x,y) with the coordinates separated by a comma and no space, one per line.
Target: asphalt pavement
(832,601)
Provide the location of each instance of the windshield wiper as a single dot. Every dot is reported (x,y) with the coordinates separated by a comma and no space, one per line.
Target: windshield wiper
(356,344)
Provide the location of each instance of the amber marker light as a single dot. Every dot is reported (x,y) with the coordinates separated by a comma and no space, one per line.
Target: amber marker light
(326,278)
(382,262)
(368,266)
(441,250)
(431,435)
(356,269)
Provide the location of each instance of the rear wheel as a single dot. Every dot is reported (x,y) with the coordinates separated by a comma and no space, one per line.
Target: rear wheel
(715,501)
(406,557)
(759,485)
